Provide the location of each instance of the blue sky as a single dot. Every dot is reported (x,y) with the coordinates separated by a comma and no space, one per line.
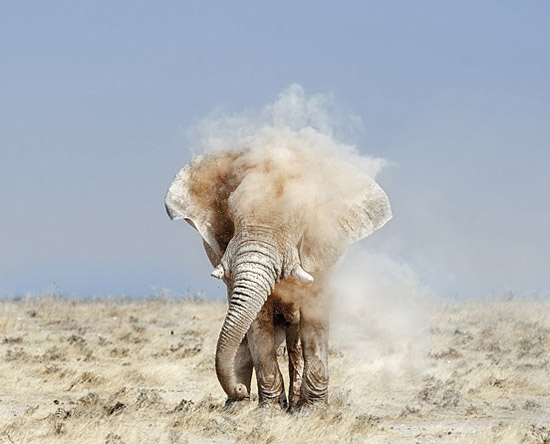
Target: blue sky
(96,97)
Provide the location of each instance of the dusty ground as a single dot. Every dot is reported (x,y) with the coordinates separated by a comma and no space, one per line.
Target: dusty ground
(114,371)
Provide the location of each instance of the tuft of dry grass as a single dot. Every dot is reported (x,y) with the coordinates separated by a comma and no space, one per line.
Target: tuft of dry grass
(123,371)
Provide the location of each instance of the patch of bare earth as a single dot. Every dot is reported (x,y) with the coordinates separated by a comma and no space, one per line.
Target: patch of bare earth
(118,371)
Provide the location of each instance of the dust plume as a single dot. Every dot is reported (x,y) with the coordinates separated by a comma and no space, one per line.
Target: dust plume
(379,313)
(295,162)
(300,164)
(294,111)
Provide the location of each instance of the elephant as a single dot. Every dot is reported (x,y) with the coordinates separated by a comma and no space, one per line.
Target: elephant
(275,218)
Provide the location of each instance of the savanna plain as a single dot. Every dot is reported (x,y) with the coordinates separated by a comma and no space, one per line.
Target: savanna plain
(138,371)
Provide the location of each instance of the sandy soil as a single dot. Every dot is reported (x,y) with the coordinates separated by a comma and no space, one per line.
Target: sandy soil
(115,371)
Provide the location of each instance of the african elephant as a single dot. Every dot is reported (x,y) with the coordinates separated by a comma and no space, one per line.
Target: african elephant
(274,218)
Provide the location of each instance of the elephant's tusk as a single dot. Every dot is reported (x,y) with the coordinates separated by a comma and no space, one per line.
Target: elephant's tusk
(301,275)
(218,272)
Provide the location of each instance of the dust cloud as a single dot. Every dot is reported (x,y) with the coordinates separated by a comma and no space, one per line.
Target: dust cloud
(380,313)
(294,111)
(297,152)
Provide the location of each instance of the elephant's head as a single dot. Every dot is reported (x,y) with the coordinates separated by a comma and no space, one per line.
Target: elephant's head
(271,216)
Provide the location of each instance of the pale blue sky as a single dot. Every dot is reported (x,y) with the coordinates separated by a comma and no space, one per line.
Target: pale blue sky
(95,98)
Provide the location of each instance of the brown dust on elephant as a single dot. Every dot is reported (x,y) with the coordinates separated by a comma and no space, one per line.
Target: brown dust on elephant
(275,217)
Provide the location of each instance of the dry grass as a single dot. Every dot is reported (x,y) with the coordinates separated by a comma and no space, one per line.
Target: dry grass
(115,371)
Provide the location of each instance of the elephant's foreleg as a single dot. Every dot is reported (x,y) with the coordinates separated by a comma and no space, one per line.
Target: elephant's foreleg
(314,338)
(261,341)
(295,363)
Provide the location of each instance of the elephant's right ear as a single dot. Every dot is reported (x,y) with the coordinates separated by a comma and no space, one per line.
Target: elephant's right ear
(199,194)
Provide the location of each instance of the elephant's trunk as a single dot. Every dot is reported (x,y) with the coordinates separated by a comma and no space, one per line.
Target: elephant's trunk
(255,272)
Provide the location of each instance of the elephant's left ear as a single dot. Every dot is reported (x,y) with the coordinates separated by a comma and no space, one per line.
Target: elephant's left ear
(357,217)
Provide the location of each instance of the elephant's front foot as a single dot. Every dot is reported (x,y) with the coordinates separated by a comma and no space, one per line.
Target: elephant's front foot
(274,401)
(271,391)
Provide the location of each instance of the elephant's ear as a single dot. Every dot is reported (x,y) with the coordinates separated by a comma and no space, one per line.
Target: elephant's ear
(199,194)
(353,219)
